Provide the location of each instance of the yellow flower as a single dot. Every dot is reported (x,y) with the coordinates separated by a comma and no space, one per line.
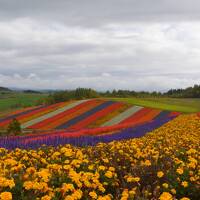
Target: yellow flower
(179,171)
(7,182)
(165,185)
(10,162)
(46,197)
(184,184)
(192,179)
(102,167)
(91,167)
(44,174)
(109,174)
(125,194)
(67,187)
(136,179)
(69,197)
(28,185)
(102,189)
(184,198)
(132,192)
(173,191)
(124,198)
(160,174)
(133,179)
(121,151)
(77,194)
(106,197)
(93,194)
(105,160)
(6,196)
(112,169)
(147,163)
(165,196)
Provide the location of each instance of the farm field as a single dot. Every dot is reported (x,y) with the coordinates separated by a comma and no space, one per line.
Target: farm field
(76,115)
(101,149)
(16,100)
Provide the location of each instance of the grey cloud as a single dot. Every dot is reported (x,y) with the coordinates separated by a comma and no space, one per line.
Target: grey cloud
(95,12)
(128,44)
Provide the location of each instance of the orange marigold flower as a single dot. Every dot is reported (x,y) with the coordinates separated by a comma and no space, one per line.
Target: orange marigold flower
(179,171)
(184,184)
(6,196)
(165,196)
(46,197)
(147,163)
(160,174)
(109,174)
(93,194)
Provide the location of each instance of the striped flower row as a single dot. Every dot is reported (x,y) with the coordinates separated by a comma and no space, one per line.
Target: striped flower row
(77,115)
(81,139)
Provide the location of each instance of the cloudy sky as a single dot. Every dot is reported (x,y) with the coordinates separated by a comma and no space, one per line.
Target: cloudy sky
(103,44)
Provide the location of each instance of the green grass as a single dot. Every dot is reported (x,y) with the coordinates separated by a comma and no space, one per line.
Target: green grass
(13,101)
(172,104)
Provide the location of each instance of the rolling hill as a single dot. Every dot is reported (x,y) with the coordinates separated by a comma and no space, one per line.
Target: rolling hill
(99,119)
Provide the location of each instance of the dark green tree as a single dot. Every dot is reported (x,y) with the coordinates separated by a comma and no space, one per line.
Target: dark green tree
(14,127)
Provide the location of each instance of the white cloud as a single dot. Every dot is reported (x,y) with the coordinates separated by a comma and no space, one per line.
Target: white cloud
(132,55)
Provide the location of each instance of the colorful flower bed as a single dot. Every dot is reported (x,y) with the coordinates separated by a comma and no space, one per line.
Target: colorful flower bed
(102,120)
(17,111)
(82,114)
(84,136)
(145,115)
(163,165)
(122,116)
(41,112)
(85,115)
(30,114)
(5,121)
(93,116)
(67,115)
(47,114)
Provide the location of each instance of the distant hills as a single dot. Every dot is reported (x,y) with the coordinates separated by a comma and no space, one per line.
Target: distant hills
(17,90)
(5,89)
(190,92)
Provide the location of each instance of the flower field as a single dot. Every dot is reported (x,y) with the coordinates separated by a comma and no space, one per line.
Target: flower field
(85,114)
(69,123)
(164,164)
(97,149)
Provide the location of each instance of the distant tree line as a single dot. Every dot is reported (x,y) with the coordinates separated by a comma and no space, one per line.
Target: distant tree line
(129,93)
(88,93)
(32,92)
(190,92)
(66,95)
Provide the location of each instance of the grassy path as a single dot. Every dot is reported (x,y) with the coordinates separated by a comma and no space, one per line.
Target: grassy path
(172,104)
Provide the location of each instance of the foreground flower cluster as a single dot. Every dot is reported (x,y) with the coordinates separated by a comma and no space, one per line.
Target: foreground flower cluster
(162,165)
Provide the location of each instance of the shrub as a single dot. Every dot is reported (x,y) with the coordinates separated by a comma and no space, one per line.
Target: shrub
(14,127)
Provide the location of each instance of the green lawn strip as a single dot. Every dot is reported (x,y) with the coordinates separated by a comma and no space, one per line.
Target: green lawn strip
(182,105)
(19,100)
